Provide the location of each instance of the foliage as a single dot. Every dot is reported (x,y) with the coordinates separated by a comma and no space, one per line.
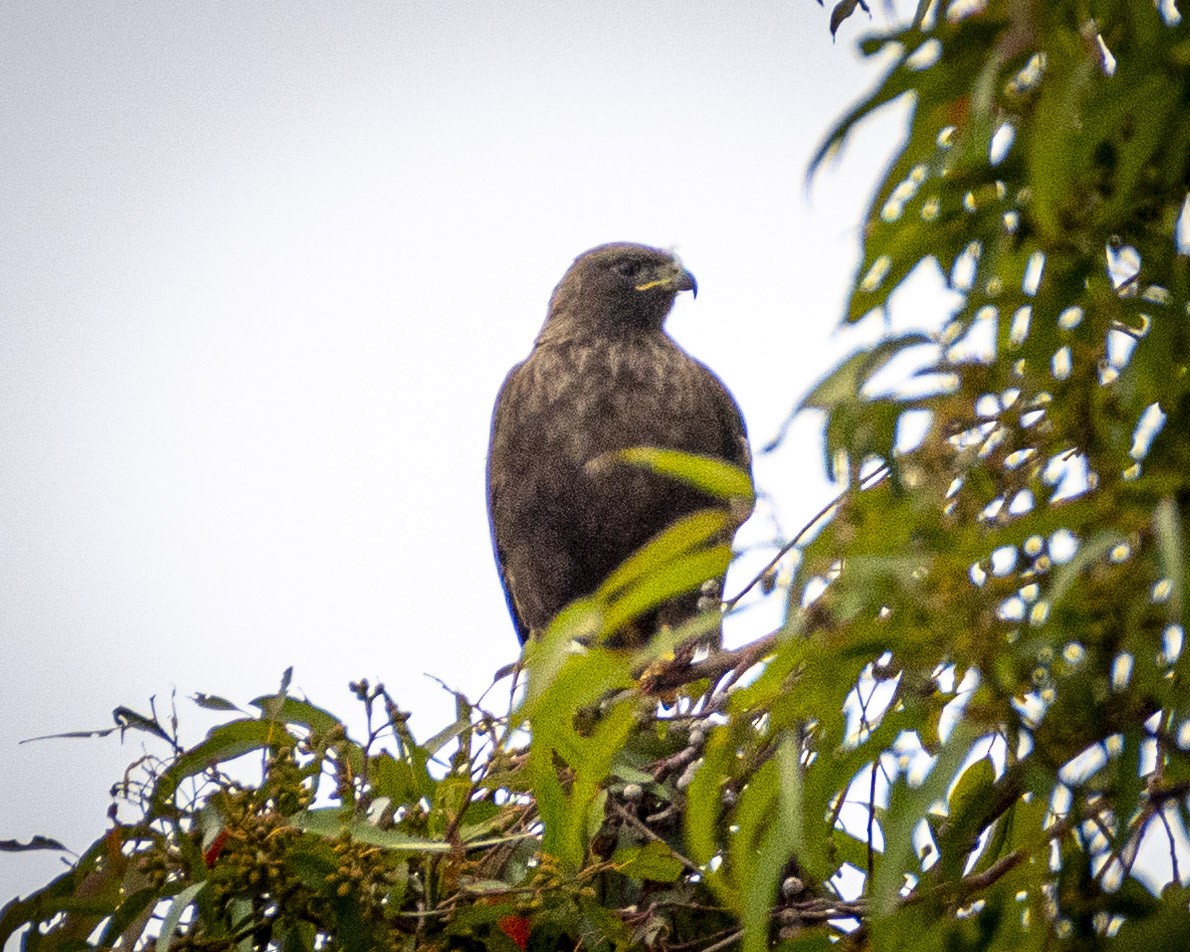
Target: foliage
(973,719)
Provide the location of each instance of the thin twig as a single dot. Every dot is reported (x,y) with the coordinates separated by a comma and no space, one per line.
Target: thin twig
(1173,792)
(1173,847)
(693,944)
(823,910)
(872,819)
(1127,330)
(724,943)
(637,825)
(822,513)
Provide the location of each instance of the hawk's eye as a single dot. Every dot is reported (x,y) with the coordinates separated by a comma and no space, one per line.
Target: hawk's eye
(628,269)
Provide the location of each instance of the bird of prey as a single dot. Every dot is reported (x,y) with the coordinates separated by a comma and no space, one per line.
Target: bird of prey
(602,376)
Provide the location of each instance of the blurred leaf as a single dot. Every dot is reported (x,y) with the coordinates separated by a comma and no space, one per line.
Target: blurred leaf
(705,804)
(1164,929)
(653,861)
(775,831)
(129,921)
(1171,546)
(681,575)
(688,533)
(842,10)
(1092,551)
(447,734)
(844,384)
(212,702)
(710,474)
(967,809)
(906,811)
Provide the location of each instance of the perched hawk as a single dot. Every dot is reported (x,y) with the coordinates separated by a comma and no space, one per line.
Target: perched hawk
(603,375)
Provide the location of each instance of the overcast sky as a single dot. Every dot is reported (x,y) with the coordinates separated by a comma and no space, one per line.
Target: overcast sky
(264,266)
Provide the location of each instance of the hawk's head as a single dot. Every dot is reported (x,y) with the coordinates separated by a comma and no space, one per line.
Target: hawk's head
(619,286)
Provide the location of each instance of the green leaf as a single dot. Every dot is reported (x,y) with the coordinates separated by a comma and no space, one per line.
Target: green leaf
(680,576)
(906,810)
(395,779)
(128,922)
(653,861)
(447,734)
(295,937)
(331,822)
(968,803)
(688,533)
(1090,552)
(704,805)
(1164,929)
(313,861)
(1171,546)
(712,475)
(775,835)
(224,743)
(289,710)
(844,383)
(179,906)
(212,702)
(896,83)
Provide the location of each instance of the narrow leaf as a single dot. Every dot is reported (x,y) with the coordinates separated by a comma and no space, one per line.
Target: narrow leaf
(708,473)
(176,910)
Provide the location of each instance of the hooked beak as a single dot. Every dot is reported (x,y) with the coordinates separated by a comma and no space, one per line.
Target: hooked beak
(674,277)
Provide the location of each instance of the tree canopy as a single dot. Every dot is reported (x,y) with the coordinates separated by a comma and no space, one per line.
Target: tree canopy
(973,718)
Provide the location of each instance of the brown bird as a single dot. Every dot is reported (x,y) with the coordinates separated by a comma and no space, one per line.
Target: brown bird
(602,376)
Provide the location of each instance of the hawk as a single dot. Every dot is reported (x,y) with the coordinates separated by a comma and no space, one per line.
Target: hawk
(602,376)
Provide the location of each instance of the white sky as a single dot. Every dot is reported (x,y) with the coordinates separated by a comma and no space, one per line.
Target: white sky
(262,269)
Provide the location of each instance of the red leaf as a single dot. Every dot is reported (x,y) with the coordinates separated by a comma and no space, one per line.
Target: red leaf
(517,929)
(212,852)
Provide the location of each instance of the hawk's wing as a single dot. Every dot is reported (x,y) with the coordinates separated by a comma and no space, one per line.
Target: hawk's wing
(735,447)
(498,477)
(557,529)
